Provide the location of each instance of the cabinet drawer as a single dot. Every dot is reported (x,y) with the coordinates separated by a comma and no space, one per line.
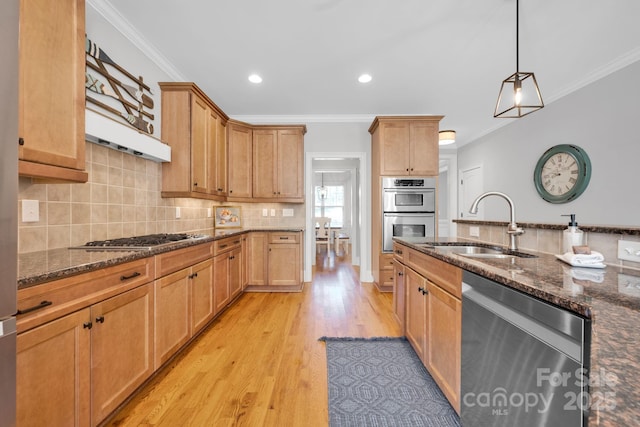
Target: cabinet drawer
(169,262)
(284,237)
(57,298)
(226,245)
(445,275)
(386,262)
(386,277)
(398,252)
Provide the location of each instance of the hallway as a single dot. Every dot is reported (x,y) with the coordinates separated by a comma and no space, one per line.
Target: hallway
(260,363)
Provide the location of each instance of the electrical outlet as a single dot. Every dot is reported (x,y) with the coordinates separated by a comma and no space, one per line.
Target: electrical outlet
(30,211)
(474,231)
(628,250)
(178,213)
(265,212)
(287,212)
(273,212)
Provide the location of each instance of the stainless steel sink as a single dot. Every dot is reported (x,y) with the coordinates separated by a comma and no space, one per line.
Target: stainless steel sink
(474,251)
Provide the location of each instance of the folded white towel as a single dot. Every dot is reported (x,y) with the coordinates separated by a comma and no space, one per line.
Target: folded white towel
(584,259)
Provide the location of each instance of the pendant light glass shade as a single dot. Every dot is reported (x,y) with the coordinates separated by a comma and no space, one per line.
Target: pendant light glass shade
(322,190)
(519,93)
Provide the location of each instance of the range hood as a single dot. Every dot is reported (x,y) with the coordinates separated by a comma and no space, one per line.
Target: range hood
(107,132)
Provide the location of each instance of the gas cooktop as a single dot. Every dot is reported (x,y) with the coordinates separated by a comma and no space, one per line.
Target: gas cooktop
(138,243)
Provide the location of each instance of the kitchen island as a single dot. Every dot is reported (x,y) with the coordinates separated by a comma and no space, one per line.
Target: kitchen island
(607,297)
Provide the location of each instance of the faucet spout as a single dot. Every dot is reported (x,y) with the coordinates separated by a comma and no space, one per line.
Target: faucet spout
(512,229)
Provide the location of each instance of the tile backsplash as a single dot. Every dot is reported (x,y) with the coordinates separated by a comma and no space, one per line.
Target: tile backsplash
(550,241)
(122,198)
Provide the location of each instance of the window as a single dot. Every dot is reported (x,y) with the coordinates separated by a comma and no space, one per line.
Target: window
(332,206)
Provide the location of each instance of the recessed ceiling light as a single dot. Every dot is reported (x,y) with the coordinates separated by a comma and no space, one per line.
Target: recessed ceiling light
(364,78)
(254,78)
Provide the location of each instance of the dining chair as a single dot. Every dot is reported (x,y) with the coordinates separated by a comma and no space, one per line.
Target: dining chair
(322,225)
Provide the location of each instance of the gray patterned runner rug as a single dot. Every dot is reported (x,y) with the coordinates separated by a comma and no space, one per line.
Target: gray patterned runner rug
(380,382)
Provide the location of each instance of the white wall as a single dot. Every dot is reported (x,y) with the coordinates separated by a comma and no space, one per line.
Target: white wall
(602,118)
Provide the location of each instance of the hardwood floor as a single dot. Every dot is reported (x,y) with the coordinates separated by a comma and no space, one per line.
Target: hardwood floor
(260,363)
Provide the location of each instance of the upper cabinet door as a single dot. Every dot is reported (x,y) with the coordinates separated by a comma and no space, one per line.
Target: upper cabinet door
(395,149)
(51,92)
(290,163)
(200,134)
(424,151)
(264,163)
(240,161)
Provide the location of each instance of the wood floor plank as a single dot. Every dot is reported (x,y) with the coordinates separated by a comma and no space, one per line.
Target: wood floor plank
(260,363)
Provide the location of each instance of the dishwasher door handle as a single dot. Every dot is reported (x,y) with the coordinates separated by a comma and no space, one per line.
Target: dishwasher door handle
(540,331)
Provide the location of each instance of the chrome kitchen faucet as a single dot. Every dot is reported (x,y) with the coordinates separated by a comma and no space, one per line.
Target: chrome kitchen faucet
(512,229)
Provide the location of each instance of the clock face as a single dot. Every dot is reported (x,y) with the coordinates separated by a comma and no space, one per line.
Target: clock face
(562,173)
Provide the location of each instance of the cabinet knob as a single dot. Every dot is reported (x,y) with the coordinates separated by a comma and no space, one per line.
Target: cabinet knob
(400,273)
(195,184)
(230,191)
(87,325)
(100,319)
(20,141)
(407,169)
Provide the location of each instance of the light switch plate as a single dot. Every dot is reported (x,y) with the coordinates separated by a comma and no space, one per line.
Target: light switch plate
(628,250)
(287,212)
(178,213)
(209,212)
(273,212)
(265,212)
(474,231)
(30,211)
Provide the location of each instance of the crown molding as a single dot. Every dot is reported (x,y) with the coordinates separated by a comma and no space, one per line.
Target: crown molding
(304,118)
(121,24)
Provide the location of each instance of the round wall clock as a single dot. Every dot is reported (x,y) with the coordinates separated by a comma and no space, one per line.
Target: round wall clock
(562,173)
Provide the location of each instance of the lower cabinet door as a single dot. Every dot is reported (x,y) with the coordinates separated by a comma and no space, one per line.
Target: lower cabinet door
(235,273)
(201,295)
(444,350)
(399,294)
(121,348)
(220,282)
(52,369)
(284,264)
(416,312)
(171,313)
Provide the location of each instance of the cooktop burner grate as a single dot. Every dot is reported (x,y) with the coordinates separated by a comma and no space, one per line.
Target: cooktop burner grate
(146,242)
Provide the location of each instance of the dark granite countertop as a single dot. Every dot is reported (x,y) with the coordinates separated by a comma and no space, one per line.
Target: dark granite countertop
(610,297)
(594,228)
(35,268)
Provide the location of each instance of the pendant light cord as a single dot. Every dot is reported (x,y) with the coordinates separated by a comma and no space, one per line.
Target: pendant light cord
(517,36)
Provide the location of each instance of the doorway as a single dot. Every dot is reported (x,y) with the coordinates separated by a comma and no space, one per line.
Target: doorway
(339,170)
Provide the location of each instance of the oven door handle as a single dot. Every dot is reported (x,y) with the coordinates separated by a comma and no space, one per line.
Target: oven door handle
(406,191)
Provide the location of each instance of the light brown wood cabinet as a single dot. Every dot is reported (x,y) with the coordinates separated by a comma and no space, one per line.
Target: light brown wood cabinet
(406,145)
(278,164)
(53,372)
(121,348)
(433,318)
(275,260)
(183,298)
(227,274)
(195,129)
(240,137)
(399,293)
(51,90)
(400,146)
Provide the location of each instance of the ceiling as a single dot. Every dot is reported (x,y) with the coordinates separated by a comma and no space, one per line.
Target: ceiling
(426,56)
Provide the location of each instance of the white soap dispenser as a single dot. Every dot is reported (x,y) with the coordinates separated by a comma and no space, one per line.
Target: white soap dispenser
(572,236)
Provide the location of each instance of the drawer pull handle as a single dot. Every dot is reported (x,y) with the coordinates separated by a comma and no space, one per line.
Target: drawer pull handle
(134,274)
(42,304)
(236,242)
(100,319)
(284,238)
(87,325)
(192,276)
(223,246)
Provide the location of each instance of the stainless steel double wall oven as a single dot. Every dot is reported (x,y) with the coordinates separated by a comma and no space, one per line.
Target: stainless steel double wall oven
(408,208)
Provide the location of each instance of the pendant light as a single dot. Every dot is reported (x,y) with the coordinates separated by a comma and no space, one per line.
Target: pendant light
(519,93)
(322,190)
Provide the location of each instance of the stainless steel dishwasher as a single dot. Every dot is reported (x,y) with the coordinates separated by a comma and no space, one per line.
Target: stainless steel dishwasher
(524,362)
